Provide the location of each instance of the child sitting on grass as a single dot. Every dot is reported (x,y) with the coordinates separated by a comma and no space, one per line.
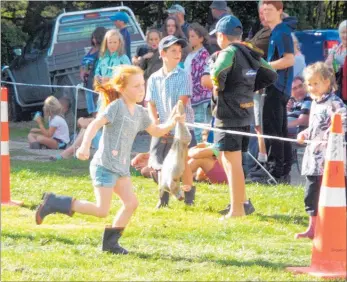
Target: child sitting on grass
(57,134)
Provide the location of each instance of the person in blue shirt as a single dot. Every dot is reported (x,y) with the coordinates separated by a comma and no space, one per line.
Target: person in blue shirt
(121,20)
(281,58)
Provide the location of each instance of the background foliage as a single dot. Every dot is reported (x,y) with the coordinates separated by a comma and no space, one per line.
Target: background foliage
(20,18)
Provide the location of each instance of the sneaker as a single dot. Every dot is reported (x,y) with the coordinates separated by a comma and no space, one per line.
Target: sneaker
(248,206)
(285,179)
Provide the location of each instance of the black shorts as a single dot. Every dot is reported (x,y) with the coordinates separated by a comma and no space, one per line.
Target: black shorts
(61,144)
(232,142)
(160,147)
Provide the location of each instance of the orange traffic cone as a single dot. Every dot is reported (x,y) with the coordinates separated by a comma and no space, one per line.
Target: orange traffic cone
(5,156)
(329,243)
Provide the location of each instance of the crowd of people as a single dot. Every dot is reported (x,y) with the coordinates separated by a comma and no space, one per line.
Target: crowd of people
(260,84)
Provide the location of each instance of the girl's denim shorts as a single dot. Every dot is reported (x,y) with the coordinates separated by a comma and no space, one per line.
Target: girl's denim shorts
(102,177)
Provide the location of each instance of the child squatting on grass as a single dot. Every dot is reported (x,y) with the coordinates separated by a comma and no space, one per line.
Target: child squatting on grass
(320,81)
(57,134)
(121,120)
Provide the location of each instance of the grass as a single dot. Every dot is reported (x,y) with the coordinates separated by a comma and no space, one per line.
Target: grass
(178,243)
(18,133)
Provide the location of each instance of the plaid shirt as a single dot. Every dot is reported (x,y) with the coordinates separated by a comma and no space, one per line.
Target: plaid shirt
(165,91)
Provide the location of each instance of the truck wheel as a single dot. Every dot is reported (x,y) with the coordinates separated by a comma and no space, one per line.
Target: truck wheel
(15,112)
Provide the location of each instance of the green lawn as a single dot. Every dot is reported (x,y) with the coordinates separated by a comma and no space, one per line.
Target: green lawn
(179,243)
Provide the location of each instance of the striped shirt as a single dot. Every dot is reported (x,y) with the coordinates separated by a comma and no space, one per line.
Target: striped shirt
(166,90)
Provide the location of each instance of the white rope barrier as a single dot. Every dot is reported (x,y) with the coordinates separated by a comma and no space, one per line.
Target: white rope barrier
(195,125)
(204,126)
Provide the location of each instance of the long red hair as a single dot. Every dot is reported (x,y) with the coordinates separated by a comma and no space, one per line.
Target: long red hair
(111,90)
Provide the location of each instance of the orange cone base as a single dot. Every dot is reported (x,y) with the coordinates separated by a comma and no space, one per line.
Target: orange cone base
(318,273)
(13,203)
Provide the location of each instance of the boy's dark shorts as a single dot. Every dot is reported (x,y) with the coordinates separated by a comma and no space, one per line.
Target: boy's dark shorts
(232,142)
(161,146)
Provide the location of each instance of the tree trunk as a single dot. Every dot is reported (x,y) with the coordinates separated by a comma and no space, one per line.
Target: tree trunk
(320,14)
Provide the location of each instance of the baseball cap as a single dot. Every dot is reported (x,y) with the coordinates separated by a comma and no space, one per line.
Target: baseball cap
(171,40)
(219,5)
(229,25)
(176,9)
(120,16)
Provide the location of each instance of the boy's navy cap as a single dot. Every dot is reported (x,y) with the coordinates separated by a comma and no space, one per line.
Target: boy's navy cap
(120,16)
(176,9)
(229,25)
(219,5)
(170,40)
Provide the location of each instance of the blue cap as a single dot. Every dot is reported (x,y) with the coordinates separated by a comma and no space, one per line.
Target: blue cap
(176,9)
(219,5)
(229,25)
(120,16)
(170,40)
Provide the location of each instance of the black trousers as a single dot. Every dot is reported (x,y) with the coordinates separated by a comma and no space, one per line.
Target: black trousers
(275,123)
(312,190)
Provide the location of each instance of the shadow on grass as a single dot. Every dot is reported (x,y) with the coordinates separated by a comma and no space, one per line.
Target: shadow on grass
(295,219)
(30,206)
(222,262)
(43,238)
(67,168)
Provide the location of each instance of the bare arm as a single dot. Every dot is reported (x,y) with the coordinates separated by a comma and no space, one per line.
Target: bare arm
(302,120)
(184,99)
(206,81)
(285,62)
(44,131)
(84,151)
(158,130)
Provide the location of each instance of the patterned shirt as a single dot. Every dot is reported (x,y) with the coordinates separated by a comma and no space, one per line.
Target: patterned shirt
(301,107)
(318,130)
(118,136)
(166,90)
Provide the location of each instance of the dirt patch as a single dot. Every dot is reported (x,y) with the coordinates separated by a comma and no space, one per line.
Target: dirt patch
(19,150)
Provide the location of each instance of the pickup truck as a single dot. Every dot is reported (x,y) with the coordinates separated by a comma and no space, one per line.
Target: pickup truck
(316,44)
(53,57)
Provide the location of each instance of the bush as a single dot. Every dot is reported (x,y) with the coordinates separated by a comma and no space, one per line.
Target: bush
(11,36)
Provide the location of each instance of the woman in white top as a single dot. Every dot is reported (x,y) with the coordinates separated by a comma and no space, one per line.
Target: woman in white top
(57,134)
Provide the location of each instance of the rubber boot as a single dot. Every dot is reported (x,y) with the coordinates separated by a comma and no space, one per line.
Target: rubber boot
(248,206)
(110,241)
(52,204)
(309,233)
(189,197)
(163,200)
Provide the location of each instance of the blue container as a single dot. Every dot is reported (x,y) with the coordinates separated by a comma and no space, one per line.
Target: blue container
(37,114)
